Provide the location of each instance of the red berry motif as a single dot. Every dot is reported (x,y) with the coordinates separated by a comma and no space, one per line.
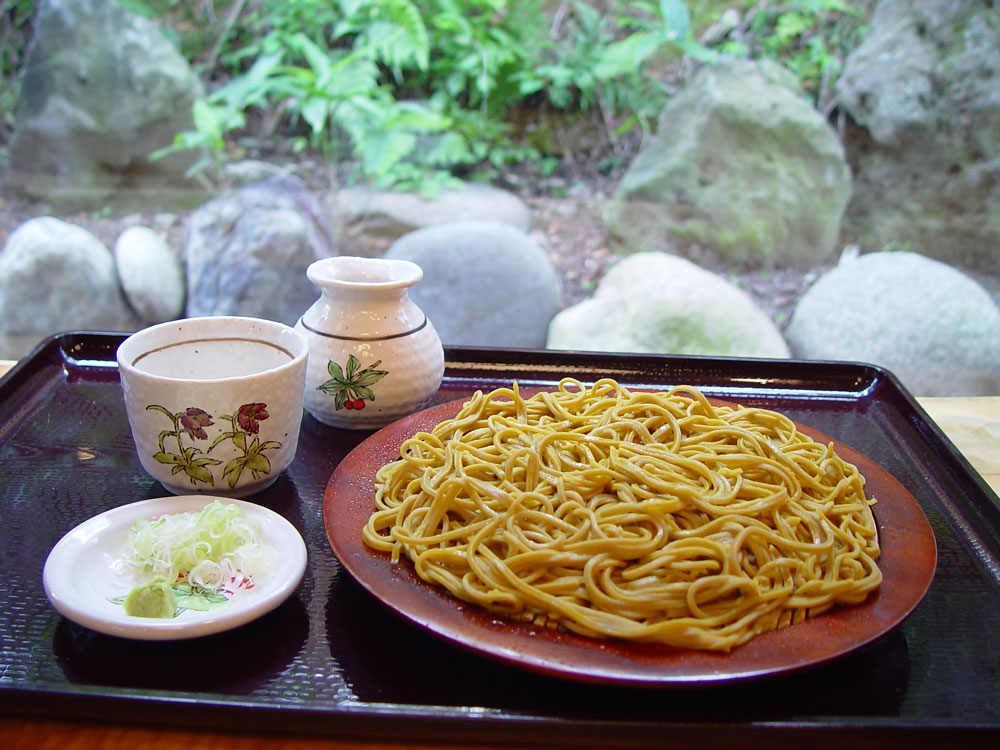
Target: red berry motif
(351,386)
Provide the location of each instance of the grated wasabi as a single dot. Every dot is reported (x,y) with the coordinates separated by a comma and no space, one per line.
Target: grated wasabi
(154,598)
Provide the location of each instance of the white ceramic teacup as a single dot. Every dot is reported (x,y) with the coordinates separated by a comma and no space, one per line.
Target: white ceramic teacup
(214,403)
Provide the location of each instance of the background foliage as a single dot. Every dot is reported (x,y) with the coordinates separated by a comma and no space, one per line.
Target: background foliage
(15,32)
(418,92)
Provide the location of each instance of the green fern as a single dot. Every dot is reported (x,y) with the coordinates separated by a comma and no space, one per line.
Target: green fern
(389,31)
(411,91)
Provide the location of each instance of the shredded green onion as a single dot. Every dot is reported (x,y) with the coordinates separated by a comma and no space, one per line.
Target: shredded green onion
(213,548)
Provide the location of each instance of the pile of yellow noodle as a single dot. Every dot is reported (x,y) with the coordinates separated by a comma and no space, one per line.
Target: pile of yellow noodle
(645,516)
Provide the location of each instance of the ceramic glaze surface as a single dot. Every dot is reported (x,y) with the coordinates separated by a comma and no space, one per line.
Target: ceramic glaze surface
(214,403)
(212,359)
(373,354)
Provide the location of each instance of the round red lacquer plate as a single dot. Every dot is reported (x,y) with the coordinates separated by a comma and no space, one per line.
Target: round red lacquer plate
(908,561)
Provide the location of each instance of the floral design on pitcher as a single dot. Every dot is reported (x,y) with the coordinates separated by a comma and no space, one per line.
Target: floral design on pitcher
(349,386)
(196,463)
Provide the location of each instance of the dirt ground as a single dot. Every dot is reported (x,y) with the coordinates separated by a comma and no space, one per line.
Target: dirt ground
(581,251)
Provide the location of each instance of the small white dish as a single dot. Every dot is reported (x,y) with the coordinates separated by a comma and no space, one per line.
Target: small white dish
(83,572)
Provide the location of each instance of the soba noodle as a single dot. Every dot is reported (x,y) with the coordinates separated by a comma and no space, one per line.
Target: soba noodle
(654,517)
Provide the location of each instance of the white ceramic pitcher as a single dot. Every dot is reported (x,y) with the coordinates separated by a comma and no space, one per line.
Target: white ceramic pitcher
(374,356)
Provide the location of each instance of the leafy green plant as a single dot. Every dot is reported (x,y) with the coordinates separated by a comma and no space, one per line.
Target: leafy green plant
(805,35)
(412,91)
(331,90)
(600,62)
(409,93)
(194,27)
(15,31)
(809,37)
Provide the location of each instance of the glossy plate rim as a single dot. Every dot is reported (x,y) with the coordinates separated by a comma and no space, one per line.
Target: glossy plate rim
(81,548)
(908,562)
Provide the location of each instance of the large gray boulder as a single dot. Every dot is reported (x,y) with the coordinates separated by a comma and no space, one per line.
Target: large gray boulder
(660,303)
(485,283)
(390,214)
(55,277)
(247,251)
(930,324)
(741,166)
(102,90)
(924,86)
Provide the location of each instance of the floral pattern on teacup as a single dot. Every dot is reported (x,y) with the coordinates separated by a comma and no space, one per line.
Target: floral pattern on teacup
(242,428)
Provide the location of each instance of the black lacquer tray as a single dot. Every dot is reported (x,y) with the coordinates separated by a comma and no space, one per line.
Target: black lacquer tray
(334,661)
